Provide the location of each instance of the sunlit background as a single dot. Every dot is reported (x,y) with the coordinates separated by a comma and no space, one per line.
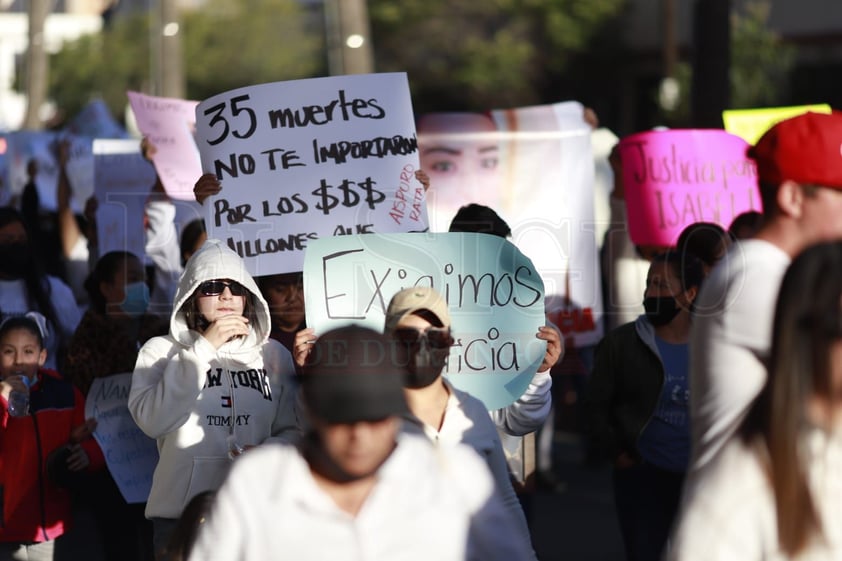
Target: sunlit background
(638,63)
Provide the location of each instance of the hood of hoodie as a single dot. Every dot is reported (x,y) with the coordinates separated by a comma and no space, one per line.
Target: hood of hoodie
(215,260)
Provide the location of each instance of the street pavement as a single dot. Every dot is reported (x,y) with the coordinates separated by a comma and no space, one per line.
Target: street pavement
(574,520)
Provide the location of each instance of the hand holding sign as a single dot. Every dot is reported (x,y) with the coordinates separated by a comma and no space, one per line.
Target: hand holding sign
(207,186)
(494,294)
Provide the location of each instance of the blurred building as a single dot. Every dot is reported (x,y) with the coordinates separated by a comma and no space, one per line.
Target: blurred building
(14,26)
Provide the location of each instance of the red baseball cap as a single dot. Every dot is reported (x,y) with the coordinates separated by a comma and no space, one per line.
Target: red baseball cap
(806,149)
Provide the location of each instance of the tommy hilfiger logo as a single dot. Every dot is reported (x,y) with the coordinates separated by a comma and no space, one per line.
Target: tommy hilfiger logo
(253,378)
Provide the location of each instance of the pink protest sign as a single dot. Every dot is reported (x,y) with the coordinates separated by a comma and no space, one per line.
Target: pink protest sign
(674,178)
(169,123)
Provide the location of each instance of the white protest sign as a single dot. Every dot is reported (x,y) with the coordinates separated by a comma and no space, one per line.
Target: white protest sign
(534,167)
(43,148)
(131,456)
(307,159)
(169,123)
(494,294)
(40,147)
(123,180)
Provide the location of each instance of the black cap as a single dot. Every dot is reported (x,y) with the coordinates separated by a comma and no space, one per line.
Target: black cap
(352,376)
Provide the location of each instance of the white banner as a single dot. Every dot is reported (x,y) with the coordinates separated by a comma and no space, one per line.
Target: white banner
(123,179)
(534,167)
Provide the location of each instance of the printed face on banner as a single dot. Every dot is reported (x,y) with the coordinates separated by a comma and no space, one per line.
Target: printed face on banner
(495,298)
(461,154)
(308,159)
(534,167)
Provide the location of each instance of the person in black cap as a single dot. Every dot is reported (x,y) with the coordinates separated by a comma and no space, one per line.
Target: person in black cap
(355,486)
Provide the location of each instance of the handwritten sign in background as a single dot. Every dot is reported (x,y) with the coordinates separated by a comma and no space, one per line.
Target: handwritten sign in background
(494,294)
(169,123)
(307,159)
(675,178)
(24,146)
(131,456)
(750,124)
(123,180)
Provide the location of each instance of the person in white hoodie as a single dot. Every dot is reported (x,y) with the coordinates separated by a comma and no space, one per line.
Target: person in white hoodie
(356,487)
(215,386)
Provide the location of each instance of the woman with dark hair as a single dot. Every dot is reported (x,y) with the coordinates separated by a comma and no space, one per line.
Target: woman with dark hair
(215,386)
(116,324)
(707,241)
(24,286)
(637,405)
(775,490)
(106,343)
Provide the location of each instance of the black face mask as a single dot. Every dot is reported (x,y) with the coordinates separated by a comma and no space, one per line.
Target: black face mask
(423,364)
(660,310)
(14,259)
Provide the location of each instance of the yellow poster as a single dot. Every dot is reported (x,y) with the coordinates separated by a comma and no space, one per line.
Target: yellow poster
(750,124)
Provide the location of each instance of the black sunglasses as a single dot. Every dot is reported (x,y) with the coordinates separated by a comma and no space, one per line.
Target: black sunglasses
(436,337)
(217,287)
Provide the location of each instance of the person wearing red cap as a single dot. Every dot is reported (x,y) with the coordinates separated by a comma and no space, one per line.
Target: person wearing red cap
(799,168)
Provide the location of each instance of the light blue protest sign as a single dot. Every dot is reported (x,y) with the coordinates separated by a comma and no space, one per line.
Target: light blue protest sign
(130,455)
(494,293)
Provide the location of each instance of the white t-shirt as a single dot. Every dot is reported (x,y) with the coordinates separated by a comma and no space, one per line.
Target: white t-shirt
(427,503)
(730,337)
(466,421)
(729,512)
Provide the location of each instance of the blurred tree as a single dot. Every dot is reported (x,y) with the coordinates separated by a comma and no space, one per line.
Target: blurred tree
(101,65)
(234,44)
(226,45)
(476,55)
(760,65)
(760,61)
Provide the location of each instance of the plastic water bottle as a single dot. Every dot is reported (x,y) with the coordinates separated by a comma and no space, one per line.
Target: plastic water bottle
(19,401)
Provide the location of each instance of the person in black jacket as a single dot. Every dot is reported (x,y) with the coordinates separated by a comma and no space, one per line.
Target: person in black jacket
(637,405)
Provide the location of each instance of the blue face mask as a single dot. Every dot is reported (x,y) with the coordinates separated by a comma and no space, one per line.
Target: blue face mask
(137,299)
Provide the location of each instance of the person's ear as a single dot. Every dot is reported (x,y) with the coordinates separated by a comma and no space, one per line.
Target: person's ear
(790,199)
(42,358)
(691,293)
